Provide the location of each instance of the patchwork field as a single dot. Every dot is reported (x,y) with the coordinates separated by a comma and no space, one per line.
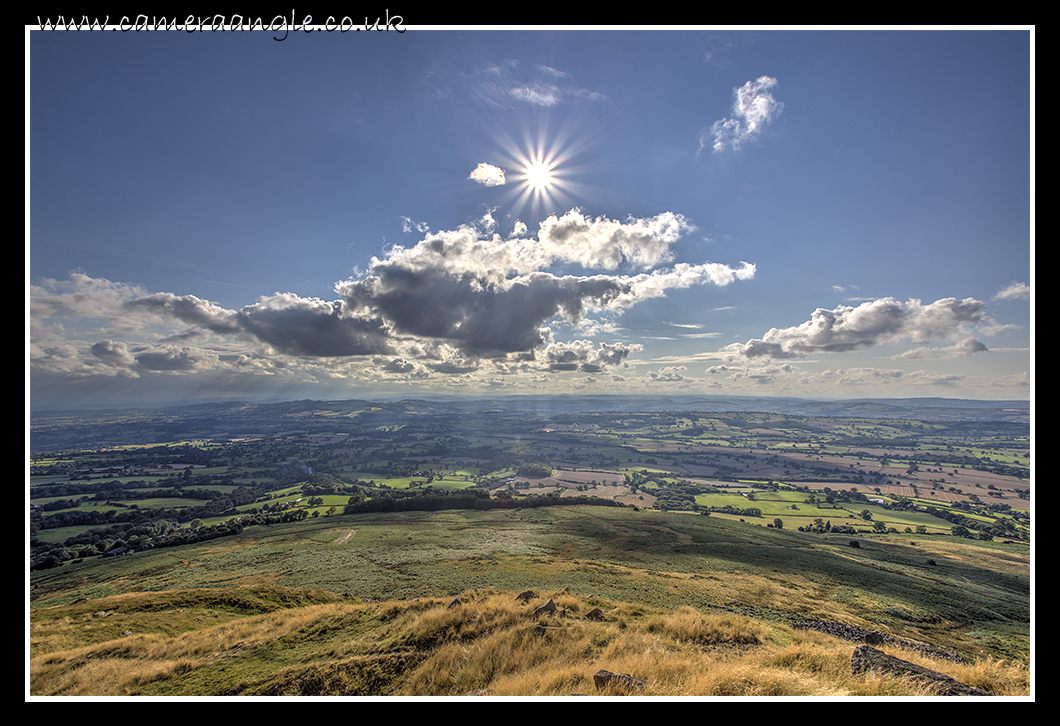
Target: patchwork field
(887,526)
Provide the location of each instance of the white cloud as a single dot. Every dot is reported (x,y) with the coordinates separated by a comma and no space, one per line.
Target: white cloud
(961,349)
(510,82)
(1015,291)
(488,175)
(871,323)
(753,109)
(667,374)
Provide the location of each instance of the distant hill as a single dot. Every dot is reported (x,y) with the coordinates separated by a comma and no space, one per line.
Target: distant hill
(900,408)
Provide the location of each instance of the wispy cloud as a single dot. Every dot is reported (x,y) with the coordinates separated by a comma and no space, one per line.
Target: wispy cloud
(753,108)
(1015,291)
(509,83)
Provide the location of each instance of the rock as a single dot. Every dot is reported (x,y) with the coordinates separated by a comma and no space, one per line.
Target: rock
(605,679)
(595,614)
(455,602)
(526,595)
(546,609)
(874,637)
(867,659)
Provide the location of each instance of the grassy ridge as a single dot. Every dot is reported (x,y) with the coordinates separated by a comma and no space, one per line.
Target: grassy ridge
(284,642)
(957,595)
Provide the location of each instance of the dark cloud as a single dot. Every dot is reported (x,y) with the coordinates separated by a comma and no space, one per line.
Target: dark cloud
(169,359)
(187,309)
(313,328)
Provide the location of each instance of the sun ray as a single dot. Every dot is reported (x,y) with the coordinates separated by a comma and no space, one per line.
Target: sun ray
(542,171)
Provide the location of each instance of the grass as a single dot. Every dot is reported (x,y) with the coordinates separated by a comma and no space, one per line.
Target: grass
(356,602)
(489,642)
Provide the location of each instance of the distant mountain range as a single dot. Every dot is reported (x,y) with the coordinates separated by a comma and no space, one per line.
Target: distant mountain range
(896,408)
(899,408)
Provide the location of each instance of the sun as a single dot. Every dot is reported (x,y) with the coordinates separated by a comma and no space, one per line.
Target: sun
(539,176)
(543,169)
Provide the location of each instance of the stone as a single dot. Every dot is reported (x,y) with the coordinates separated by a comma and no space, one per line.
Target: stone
(548,608)
(867,659)
(605,679)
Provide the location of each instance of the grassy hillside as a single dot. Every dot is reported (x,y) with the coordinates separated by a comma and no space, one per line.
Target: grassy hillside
(692,605)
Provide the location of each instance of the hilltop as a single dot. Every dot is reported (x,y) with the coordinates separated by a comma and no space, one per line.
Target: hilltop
(360,604)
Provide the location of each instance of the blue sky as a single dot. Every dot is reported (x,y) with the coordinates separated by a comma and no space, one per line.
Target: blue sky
(801,213)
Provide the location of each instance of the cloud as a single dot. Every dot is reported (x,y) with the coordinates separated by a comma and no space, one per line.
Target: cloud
(753,109)
(488,175)
(508,83)
(667,374)
(491,296)
(175,359)
(880,321)
(456,302)
(1015,291)
(313,327)
(961,349)
(113,353)
(580,355)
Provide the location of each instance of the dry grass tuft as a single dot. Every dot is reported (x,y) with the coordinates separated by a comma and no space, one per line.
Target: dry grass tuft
(488,642)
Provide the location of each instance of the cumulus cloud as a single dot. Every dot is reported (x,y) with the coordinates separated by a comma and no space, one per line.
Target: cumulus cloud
(960,349)
(581,355)
(871,323)
(175,359)
(667,374)
(753,108)
(491,296)
(448,304)
(113,353)
(488,175)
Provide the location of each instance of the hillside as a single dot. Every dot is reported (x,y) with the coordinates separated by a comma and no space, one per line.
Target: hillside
(360,604)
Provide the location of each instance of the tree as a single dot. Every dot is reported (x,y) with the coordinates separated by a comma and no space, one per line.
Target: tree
(778,523)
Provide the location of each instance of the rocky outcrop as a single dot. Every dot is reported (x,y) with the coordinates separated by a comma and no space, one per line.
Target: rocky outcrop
(867,659)
(872,637)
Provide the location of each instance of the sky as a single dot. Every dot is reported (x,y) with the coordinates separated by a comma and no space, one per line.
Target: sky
(817,214)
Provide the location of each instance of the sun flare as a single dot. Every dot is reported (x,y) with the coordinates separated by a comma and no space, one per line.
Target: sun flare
(539,176)
(543,174)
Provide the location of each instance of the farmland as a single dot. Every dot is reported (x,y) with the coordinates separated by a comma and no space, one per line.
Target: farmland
(678,512)
(144,478)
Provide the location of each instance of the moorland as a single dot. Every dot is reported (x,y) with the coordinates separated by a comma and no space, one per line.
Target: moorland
(317,547)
